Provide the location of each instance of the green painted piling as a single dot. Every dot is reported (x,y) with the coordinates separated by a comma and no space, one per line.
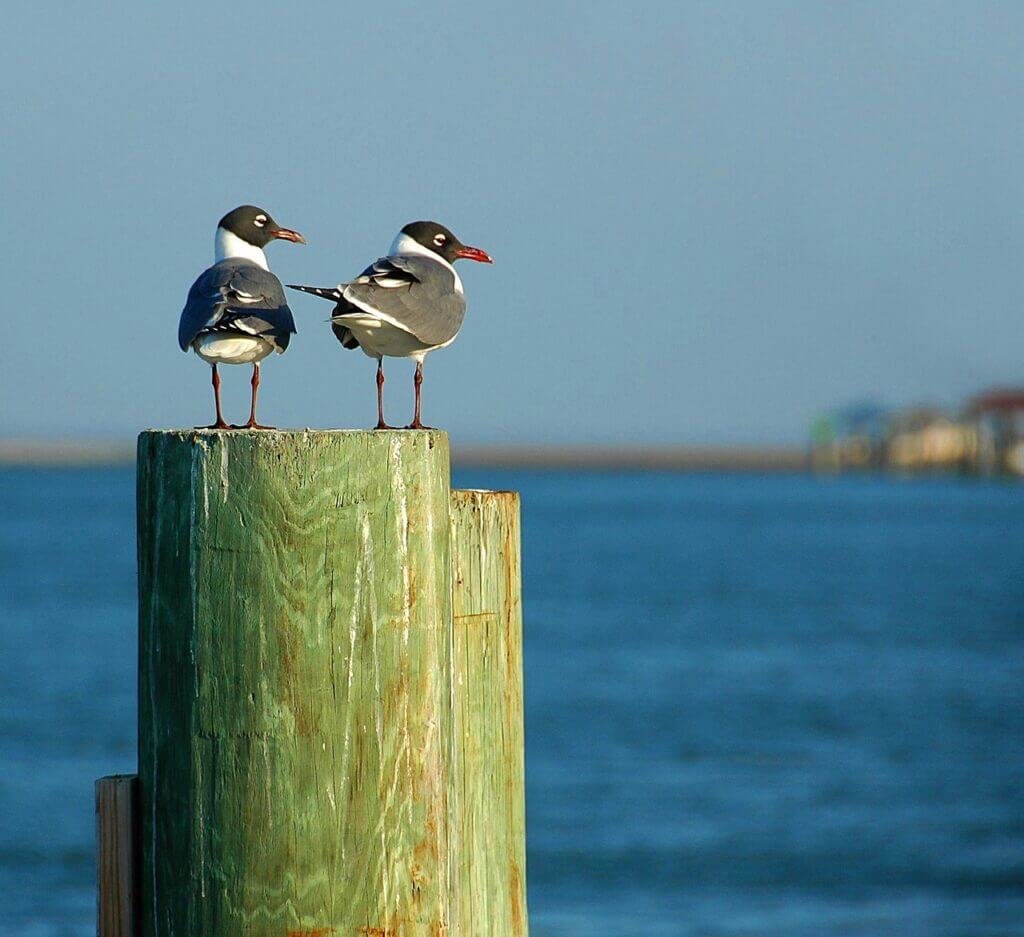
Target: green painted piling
(295,684)
(487,801)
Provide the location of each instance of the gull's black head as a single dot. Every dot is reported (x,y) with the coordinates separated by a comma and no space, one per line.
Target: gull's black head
(255,226)
(437,238)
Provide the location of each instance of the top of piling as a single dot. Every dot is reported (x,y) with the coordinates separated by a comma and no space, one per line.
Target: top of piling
(271,434)
(297,439)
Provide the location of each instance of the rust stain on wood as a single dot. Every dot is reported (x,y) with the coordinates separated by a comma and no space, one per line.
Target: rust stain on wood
(317,932)
(515,889)
(413,587)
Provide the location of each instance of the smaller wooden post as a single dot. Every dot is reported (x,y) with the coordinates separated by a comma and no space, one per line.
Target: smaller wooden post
(117,800)
(488,824)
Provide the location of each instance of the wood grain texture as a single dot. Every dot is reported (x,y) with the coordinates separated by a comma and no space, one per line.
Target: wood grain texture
(117,860)
(294,683)
(488,829)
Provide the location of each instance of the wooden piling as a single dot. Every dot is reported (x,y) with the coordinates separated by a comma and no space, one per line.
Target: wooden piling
(295,723)
(488,837)
(117,855)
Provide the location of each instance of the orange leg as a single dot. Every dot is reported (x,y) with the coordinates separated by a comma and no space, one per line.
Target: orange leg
(417,383)
(380,396)
(255,382)
(220,424)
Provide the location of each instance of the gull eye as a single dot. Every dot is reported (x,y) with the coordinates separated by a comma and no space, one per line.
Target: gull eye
(439,239)
(260,221)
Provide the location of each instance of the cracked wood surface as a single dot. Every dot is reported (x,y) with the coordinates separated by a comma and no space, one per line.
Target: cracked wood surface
(295,725)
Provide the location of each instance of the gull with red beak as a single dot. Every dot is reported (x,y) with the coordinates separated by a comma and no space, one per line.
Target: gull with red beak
(236,311)
(404,305)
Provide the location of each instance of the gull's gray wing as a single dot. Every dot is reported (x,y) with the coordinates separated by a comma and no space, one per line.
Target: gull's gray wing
(415,293)
(237,296)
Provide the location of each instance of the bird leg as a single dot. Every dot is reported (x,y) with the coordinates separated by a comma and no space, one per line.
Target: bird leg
(252,424)
(220,424)
(380,396)
(417,383)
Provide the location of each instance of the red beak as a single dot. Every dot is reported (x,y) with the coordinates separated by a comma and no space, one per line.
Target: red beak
(474,253)
(287,234)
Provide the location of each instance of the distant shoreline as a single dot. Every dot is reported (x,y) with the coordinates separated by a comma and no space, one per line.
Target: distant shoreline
(72,453)
(642,458)
(85,453)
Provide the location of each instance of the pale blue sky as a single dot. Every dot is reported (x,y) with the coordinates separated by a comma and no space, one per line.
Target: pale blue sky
(709,219)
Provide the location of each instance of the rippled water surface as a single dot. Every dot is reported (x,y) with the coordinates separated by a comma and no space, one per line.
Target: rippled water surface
(755,706)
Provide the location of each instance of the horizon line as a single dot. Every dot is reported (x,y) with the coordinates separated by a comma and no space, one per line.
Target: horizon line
(741,457)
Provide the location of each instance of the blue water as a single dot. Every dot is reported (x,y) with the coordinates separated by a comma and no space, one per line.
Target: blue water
(755,706)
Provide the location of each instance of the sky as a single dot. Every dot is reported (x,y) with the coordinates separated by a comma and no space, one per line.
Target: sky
(710,221)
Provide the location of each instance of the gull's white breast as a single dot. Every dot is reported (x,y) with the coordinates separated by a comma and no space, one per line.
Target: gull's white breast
(231,348)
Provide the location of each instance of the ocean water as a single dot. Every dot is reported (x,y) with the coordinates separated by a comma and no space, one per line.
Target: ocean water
(755,705)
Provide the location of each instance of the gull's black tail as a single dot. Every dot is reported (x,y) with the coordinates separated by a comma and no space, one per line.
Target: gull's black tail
(331,293)
(343,334)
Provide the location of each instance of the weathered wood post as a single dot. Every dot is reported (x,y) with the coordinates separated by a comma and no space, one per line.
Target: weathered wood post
(117,855)
(488,830)
(295,705)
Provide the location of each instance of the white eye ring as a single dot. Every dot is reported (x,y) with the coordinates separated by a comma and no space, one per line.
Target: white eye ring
(260,221)
(439,239)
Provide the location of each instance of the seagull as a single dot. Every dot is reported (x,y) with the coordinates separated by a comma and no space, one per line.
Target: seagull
(236,311)
(403,305)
